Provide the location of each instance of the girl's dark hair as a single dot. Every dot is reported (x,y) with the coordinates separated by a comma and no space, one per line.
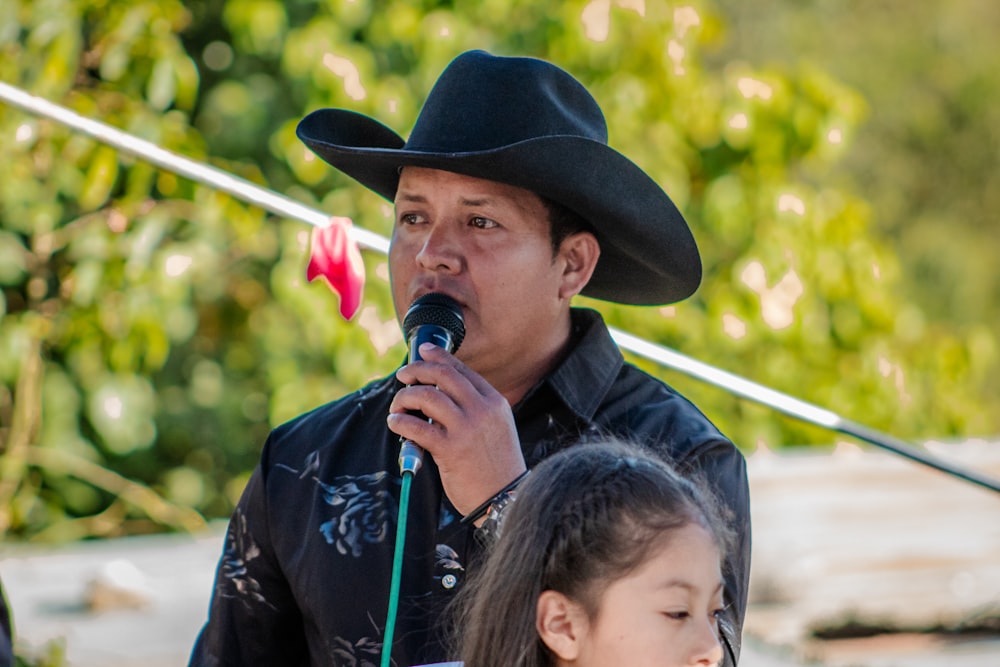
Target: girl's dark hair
(583,518)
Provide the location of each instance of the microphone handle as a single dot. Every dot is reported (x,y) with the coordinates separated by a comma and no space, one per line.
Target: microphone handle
(411,455)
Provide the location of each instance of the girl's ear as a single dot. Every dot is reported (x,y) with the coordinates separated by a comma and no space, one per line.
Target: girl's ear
(561,624)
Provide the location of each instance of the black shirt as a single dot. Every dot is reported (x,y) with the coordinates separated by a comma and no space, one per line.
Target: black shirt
(305,574)
(6,638)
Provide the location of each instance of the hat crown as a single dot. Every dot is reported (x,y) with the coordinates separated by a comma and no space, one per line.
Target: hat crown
(528,123)
(482,102)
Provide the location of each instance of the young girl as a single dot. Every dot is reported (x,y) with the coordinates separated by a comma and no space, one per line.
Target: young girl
(607,558)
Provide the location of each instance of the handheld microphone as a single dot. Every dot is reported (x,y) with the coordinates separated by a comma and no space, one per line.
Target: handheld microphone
(433,318)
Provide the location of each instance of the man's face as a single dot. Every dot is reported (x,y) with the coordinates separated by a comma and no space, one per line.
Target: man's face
(487,245)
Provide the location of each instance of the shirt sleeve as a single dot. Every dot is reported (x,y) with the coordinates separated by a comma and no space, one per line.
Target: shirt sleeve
(6,637)
(253,617)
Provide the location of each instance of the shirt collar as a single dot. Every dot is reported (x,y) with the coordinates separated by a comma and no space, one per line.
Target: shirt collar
(590,368)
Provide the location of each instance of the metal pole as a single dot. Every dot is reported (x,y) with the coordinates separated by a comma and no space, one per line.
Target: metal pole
(289,208)
(792,406)
(200,173)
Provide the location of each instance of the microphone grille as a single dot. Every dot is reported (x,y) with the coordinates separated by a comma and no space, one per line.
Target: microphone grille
(439,310)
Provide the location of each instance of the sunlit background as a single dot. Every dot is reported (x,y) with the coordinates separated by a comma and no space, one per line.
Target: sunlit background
(837,163)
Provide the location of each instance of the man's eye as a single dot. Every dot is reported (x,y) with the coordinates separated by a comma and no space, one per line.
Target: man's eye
(409,219)
(483,223)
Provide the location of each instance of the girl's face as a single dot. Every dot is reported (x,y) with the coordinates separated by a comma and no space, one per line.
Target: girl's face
(664,613)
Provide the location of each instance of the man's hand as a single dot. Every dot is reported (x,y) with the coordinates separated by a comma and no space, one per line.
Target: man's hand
(471,435)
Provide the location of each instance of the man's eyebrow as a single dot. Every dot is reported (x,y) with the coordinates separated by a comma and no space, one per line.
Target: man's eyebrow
(406,196)
(465,201)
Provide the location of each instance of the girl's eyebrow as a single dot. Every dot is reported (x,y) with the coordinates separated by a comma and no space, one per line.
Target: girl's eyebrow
(686,585)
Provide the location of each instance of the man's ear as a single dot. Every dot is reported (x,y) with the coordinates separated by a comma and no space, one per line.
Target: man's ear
(579,253)
(561,624)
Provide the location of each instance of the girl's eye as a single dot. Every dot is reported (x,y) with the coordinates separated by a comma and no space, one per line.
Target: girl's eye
(677,615)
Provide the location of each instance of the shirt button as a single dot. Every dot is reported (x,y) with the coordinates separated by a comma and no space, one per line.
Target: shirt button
(449,581)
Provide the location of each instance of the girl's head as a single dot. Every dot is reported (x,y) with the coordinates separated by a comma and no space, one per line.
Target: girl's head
(608,557)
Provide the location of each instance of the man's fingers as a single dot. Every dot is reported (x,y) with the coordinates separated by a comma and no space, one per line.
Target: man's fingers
(435,404)
(439,367)
(445,374)
(441,356)
(425,433)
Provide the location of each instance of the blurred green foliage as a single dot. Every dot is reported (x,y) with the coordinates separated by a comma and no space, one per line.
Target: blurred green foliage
(152,330)
(928,154)
(51,654)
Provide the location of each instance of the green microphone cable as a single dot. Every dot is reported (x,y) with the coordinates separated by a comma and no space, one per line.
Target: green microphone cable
(397,567)
(437,319)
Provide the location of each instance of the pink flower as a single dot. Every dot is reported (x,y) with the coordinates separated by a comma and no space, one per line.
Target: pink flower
(335,256)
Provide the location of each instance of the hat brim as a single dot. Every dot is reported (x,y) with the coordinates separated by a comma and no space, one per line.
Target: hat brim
(648,254)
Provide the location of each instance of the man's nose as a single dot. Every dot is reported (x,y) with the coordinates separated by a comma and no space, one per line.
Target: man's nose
(439,250)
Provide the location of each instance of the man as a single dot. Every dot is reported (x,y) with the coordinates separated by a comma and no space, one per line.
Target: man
(6,637)
(509,200)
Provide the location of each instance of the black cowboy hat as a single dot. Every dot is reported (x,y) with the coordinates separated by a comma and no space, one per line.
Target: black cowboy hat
(528,123)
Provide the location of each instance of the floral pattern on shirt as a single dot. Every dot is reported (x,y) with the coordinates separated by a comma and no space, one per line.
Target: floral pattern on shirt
(363,508)
(363,511)
(240,549)
(448,558)
(366,652)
